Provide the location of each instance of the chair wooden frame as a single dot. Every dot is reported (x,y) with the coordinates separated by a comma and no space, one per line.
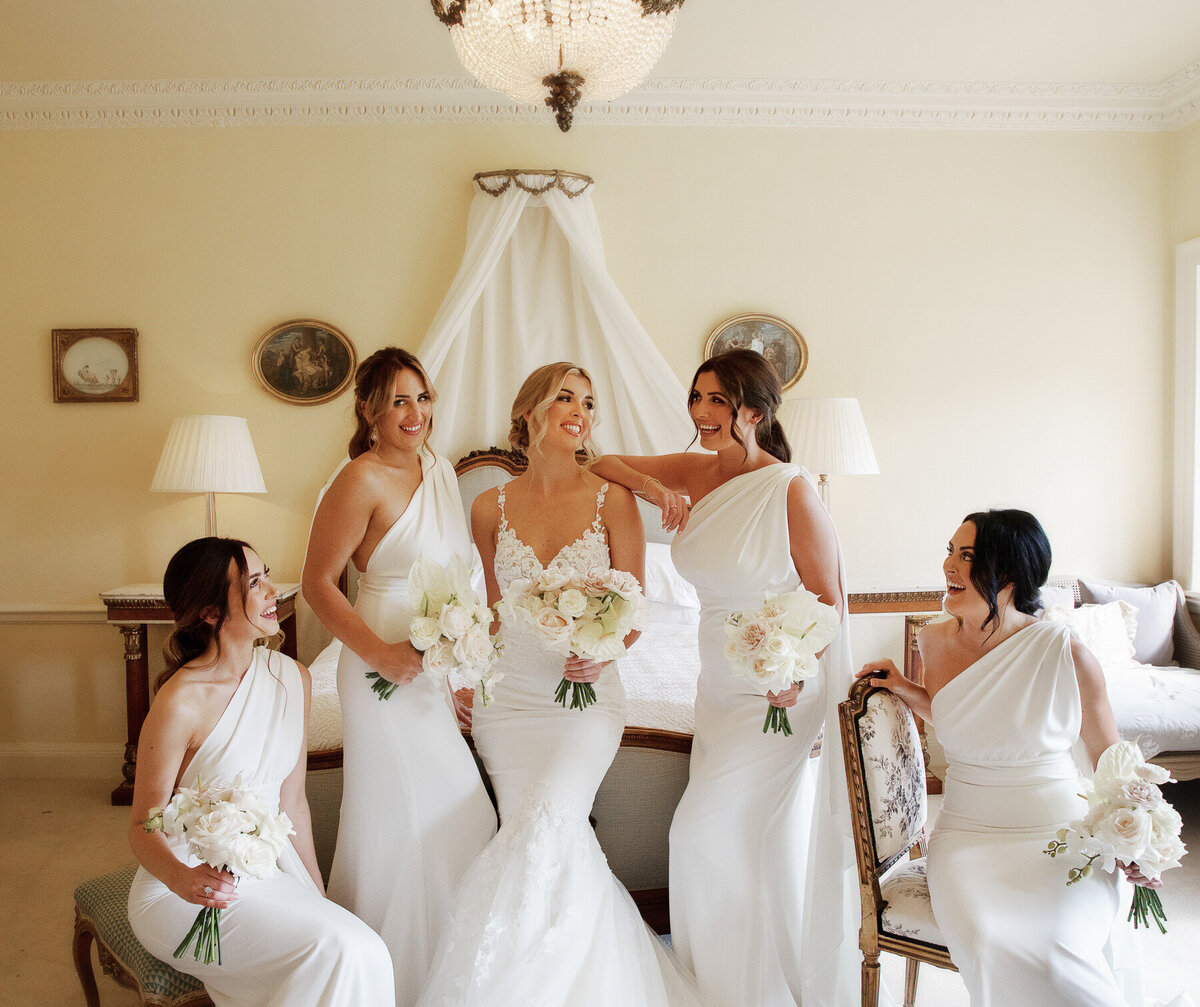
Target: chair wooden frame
(872,939)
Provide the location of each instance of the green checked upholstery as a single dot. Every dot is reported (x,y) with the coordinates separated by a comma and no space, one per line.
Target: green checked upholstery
(101,915)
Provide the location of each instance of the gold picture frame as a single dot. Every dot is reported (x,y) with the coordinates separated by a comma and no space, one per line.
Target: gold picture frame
(94,365)
(304,361)
(779,341)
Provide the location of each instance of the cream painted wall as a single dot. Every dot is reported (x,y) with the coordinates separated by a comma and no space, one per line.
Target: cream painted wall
(998,302)
(1185,183)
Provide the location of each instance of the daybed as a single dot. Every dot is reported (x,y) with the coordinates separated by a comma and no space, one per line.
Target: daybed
(633,808)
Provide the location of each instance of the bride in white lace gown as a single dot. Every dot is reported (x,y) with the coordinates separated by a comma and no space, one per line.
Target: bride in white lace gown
(539,919)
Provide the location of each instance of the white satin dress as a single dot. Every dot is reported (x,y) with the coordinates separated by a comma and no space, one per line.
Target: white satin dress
(414,812)
(283,944)
(764,898)
(540,921)
(1016,932)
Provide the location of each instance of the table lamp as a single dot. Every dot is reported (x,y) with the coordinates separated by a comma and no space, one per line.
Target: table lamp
(208,454)
(828,437)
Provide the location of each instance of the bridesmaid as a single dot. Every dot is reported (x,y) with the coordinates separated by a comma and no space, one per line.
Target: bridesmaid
(744,836)
(414,810)
(1010,696)
(224,708)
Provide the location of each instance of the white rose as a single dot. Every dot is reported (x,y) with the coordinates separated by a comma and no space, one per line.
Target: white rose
(572,603)
(424,631)
(1165,822)
(1140,794)
(555,629)
(1160,856)
(594,584)
(456,619)
(474,648)
(745,638)
(1125,832)
(250,857)
(623,583)
(438,659)
(275,831)
(212,834)
(553,579)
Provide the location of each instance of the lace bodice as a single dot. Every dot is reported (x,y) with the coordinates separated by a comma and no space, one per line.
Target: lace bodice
(517,561)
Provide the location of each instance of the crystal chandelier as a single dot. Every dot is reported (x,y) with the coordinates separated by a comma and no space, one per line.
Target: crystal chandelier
(559,50)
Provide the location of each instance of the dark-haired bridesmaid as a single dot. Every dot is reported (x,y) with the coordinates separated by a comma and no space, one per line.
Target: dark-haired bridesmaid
(749,856)
(226,708)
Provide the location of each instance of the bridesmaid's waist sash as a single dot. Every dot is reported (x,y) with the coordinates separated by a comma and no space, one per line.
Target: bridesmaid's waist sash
(1015,795)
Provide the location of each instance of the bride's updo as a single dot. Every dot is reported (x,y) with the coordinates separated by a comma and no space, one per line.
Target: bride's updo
(748,379)
(374,382)
(528,417)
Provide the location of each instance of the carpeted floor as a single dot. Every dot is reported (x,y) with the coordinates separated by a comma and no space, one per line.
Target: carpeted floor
(56,833)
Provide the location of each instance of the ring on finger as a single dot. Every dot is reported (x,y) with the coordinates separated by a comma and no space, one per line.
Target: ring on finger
(208,890)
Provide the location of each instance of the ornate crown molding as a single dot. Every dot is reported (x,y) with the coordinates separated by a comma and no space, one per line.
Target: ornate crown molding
(1165,106)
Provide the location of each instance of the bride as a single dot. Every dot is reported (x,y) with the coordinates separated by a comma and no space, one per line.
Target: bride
(539,919)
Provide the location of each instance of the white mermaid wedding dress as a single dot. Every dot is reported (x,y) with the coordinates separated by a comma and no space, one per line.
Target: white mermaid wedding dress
(539,919)
(283,944)
(764,894)
(414,813)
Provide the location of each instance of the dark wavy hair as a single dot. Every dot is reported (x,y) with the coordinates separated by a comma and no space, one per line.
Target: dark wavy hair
(1011,547)
(373,384)
(195,586)
(747,378)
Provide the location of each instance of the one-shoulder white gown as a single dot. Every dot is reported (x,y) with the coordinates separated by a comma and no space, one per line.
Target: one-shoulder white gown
(764,899)
(540,921)
(1016,932)
(414,812)
(283,944)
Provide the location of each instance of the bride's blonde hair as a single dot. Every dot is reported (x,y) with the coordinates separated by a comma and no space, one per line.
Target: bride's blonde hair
(537,393)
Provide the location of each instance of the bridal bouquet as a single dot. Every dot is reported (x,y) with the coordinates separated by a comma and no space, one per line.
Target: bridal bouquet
(776,645)
(585,614)
(1127,820)
(451,627)
(227,826)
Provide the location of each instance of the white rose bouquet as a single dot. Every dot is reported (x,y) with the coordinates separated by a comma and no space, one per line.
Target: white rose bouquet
(230,827)
(1127,820)
(585,614)
(451,628)
(776,645)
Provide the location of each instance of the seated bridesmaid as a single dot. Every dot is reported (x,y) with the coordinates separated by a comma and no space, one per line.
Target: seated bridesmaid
(224,708)
(1010,697)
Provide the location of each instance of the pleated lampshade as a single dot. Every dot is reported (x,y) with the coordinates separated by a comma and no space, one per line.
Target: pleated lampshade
(828,437)
(209,454)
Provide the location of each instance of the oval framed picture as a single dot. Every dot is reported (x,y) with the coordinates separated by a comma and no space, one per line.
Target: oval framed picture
(304,361)
(777,340)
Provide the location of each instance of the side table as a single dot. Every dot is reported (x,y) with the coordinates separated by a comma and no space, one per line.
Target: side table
(131,609)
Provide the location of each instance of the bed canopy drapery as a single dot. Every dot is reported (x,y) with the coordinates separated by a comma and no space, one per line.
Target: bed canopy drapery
(532,289)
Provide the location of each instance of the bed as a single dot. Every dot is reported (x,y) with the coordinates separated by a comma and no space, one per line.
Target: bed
(633,808)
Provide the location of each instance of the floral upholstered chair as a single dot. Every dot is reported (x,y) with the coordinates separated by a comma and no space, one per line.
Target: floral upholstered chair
(885,773)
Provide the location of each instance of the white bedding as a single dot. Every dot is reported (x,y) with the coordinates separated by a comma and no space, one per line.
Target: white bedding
(1157,707)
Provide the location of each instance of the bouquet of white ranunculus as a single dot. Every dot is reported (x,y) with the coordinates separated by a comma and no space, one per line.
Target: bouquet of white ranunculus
(1127,820)
(585,614)
(451,628)
(776,645)
(227,826)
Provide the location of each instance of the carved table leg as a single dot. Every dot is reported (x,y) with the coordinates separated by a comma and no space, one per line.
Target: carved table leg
(137,703)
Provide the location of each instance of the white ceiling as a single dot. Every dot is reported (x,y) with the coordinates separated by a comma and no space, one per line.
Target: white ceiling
(1043,41)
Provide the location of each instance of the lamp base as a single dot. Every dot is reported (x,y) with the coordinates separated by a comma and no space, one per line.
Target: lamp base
(210,523)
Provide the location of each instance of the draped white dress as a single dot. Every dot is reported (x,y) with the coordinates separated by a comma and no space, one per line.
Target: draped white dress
(539,920)
(1016,932)
(414,811)
(764,898)
(283,944)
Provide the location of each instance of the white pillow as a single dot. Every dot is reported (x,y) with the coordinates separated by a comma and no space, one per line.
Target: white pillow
(1106,630)
(663,584)
(1155,606)
(1051,596)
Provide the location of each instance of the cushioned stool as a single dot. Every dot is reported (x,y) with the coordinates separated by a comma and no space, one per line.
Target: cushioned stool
(101,914)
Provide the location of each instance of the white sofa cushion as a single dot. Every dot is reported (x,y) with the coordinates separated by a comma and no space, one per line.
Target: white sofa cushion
(1106,630)
(1155,616)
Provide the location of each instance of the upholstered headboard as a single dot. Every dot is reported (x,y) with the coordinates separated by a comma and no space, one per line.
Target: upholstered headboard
(482,470)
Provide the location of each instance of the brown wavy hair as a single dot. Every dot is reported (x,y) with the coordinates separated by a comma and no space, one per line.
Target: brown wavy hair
(537,393)
(748,379)
(195,586)
(374,382)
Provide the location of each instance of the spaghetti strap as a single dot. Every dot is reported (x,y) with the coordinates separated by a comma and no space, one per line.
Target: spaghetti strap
(596,525)
(503,516)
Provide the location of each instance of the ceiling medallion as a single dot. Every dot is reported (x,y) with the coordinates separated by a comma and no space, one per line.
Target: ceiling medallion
(559,51)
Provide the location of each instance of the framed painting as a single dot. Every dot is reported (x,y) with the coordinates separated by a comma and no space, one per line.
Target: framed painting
(304,361)
(94,365)
(778,341)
